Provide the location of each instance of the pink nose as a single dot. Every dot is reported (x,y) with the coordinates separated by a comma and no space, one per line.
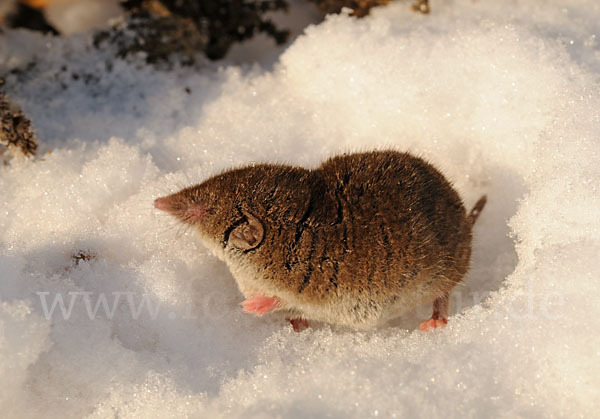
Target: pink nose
(161,204)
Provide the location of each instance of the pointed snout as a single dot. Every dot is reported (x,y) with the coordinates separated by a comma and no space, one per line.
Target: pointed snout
(162,204)
(183,209)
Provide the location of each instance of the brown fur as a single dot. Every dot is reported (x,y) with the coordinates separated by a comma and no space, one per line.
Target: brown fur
(372,229)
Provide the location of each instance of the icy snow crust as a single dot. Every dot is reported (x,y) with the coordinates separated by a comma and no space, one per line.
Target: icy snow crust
(503,98)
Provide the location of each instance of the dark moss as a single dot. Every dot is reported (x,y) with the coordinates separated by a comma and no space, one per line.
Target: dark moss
(161,28)
(16,130)
(359,8)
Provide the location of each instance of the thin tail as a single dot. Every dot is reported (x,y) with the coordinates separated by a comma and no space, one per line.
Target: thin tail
(477,209)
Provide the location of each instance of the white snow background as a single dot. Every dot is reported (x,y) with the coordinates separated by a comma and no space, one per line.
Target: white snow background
(503,97)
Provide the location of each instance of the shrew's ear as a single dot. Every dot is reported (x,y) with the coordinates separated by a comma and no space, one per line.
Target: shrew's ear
(248,234)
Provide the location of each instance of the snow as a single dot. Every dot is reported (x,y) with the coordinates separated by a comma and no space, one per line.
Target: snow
(503,98)
(71,16)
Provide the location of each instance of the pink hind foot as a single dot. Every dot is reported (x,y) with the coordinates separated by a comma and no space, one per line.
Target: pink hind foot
(433,323)
(439,318)
(260,305)
(298,324)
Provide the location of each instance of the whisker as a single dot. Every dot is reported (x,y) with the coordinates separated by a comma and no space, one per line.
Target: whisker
(187,178)
(180,230)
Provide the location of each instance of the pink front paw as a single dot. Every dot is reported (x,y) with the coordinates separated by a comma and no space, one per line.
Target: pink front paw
(260,305)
